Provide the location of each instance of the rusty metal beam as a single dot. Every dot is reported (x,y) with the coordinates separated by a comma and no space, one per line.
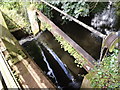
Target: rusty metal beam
(57,31)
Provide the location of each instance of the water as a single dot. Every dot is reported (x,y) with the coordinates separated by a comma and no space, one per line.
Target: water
(57,64)
(50,63)
(106,21)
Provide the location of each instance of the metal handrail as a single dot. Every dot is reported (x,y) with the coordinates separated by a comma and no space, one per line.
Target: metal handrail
(76,20)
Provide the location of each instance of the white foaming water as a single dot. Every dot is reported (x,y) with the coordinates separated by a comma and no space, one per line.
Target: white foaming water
(50,72)
(63,66)
(105,21)
(29,38)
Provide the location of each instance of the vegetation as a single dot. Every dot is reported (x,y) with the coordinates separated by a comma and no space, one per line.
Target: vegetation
(75,9)
(17,10)
(72,8)
(15,14)
(45,9)
(117,6)
(67,47)
(106,74)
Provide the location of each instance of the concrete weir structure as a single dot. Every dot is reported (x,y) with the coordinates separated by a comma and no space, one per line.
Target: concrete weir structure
(20,69)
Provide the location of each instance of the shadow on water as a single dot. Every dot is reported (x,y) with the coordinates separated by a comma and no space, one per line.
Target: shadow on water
(51,64)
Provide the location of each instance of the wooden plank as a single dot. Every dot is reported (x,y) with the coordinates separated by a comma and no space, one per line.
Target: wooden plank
(32,18)
(29,74)
(57,31)
(6,72)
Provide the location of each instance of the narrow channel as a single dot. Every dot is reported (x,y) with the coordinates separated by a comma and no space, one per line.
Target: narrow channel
(50,63)
(57,64)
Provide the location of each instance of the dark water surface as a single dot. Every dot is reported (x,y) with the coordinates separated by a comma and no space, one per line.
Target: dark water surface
(57,64)
(82,36)
(52,66)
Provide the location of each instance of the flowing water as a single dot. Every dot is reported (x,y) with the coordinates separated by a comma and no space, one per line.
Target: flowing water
(49,62)
(57,64)
(107,20)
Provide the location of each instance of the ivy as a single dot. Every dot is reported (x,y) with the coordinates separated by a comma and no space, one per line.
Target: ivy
(79,60)
(75,9)
(45,9)
(44,26)
(106,74)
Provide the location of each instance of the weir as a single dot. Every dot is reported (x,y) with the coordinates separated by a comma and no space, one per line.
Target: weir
(57,31)
(106,38)
(27,72)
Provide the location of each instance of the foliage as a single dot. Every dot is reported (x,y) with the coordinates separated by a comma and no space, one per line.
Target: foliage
(45,9)
(15,14)
(106,74)
(11,4)
(44,26)
(67,47)
(75,9)
(117,5)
